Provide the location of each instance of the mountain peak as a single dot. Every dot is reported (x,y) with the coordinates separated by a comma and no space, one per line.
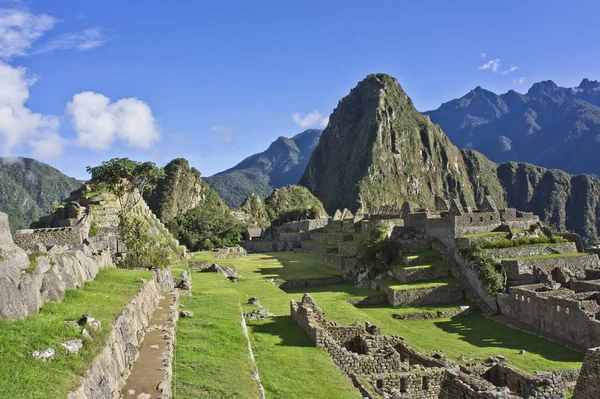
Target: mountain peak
(588,84)
(545,87)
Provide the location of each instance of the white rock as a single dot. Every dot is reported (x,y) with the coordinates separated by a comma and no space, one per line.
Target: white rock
(73,346)
(143,395)
(44,355)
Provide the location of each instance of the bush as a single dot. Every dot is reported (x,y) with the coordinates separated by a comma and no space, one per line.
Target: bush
(142,250)
(377,252)
(93,229)
(490,276)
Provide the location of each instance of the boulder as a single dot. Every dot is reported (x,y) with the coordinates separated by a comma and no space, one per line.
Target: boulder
(253,301)
(12,258)
(226,271)
(31,295)
(53,289)
(12,303)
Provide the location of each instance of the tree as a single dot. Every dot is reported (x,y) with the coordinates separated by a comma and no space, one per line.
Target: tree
(254,206)
(127,179)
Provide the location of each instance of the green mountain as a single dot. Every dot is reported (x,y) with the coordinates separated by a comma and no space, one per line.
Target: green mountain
(179,191)
(281,164)
(550,126)
(378,150)
(28,189)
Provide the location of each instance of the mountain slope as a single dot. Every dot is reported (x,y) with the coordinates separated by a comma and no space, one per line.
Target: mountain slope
(550,126)
(28,189)
(377,149)
(281,164)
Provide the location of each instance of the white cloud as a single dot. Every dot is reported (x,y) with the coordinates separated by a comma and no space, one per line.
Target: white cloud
(83,40)
(496,67)
(519,81)
(225,133)
(99,122)
(18,124)
(509,70)
(19,29)
(483,55)
(312,119)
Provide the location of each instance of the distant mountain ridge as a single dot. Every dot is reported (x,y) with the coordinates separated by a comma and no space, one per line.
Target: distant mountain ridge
(28,189)
(283,163)
(550,126)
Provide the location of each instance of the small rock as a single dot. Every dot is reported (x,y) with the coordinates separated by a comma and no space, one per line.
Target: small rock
(186,314)
(154,346)
(94,324)
(500,357)
(143,281)
(44,355)
(86,334)
(72,324)
(253,301)
(131,391)
(163,386)
(522,352)
(143,395)
(73,346)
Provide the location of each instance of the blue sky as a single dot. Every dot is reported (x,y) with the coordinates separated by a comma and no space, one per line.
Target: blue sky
(214,82)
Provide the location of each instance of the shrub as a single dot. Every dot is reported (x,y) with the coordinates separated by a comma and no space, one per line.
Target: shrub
(142,250)
(93,229)
(518,242)
(490,276)
(377,252)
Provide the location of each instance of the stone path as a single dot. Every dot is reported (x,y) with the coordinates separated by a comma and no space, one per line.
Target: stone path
(151,374)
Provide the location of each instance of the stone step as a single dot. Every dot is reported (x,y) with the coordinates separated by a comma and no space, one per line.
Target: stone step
(420,273)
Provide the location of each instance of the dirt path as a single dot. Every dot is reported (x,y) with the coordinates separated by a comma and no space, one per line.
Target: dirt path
(150,376)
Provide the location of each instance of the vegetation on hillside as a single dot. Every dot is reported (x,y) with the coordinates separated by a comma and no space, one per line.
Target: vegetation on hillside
(255,208)
(377,252)
(29,188)
(177,191)
(292,203)
(207,226)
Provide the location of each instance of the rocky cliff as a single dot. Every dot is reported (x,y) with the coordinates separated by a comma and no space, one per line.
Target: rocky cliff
(377,149)
(179,191)
(281,164)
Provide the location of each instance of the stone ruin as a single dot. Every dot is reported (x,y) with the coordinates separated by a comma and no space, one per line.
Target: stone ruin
(387,367)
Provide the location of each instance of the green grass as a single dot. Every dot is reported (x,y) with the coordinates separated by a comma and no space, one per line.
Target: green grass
(277,265)
(24,377)
(289,364)
(430,253)
(486,234)
(322,243)
(335,234)
(211,349)
(438,263)
(398,286)
(549,256)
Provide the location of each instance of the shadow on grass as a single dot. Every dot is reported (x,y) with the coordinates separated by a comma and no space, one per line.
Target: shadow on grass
(479,331)
(285,328)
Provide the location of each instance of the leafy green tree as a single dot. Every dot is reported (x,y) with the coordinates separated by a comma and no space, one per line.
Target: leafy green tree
(208,226)
(377,252)
(128,180)
(255,207)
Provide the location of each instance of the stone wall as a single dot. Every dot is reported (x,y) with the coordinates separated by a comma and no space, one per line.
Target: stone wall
(559,313)
(588,383)
(575,264)
(290,284)
(110,368)
(421,296)
(261,246)
(25,286)
(411,275)
(548,385)
(29,239)
(457,384)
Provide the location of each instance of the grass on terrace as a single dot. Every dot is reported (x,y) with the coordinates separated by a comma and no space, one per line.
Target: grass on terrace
(486,234)
(22,376)
(278,265)
(548,256)
(322,243)
(437,263)
(398,286)
(284,356)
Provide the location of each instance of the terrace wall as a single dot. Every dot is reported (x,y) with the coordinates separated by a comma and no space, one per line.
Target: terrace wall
(575,264)
(530,250)
(561,314)
(588,383)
